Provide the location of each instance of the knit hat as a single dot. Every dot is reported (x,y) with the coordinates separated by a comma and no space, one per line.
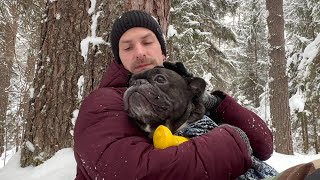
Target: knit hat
(131,19)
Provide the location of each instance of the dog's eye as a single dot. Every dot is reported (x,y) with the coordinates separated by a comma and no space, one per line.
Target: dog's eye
(160,78)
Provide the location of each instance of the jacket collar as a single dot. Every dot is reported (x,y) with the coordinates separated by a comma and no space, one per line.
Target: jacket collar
(115,76)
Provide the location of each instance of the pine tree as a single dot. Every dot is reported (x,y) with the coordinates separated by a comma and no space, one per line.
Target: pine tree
(9,24)
(251,53)
(195,33)
(279,100)
(302,24)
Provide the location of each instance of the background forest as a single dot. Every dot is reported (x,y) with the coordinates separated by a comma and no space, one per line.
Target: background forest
(53,54)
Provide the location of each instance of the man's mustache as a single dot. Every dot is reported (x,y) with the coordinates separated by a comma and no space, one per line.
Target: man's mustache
(144,60)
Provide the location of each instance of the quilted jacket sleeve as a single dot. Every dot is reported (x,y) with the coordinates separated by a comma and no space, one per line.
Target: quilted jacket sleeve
(260,136)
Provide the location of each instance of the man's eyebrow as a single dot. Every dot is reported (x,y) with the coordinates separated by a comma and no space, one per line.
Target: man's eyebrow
(147,35)
(125,41)
(143,37)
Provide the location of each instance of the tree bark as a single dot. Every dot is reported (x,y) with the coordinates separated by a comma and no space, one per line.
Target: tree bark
(313,106)
(55,85)
(279,101)
(304,129)
(159,9)
(315,135)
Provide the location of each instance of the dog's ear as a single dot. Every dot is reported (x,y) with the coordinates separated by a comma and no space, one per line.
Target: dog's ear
(197,85)
(177,67)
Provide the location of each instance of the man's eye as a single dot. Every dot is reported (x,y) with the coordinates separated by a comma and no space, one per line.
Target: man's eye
(160,79)
(147,42)
(127,48)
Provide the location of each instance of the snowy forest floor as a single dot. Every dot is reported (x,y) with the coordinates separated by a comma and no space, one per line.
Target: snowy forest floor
(62,166)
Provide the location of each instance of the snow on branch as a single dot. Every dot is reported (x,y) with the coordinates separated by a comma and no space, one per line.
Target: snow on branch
(93,38)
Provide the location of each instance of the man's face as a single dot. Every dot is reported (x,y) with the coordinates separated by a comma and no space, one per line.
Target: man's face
(139,50)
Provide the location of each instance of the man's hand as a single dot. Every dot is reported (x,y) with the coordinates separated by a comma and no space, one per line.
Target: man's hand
(243,136)
(211,102)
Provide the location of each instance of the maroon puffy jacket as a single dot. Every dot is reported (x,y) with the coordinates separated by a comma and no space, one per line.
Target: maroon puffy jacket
(108,146)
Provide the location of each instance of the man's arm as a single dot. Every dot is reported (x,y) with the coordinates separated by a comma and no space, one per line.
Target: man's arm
(108,145)
(224,108)
(260,136)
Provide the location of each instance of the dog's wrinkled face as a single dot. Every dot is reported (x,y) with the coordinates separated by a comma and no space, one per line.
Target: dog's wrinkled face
(161,96)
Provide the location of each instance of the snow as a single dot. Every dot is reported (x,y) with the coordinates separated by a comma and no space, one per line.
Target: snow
(193,23)
(309,54)
(41,89)
(171,31)
(207,77)
(74,118)
(93,38)
(30,146)
(282,162)
(62,166)
(92,7)
(31,92)
(297,101)
(80,87)
(58,16)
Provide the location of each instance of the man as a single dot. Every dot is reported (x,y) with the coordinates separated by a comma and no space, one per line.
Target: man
(109,146)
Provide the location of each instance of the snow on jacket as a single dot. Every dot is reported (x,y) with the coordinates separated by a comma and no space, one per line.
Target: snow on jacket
(107,145)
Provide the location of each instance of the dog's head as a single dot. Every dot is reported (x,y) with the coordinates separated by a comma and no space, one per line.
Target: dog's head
(160,96)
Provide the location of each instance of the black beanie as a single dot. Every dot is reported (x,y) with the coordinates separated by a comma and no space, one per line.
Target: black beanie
(131,19)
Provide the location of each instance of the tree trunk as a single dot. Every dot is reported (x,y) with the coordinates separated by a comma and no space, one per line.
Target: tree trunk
(317,124)
(256,95)
(29,75)
(55,85)
(304,127)
(159,9)
(99,57)
(6,63)
(315,135)
(315,101)
(279,101)
(31,30)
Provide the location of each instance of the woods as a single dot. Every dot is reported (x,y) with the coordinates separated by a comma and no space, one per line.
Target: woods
(266,54)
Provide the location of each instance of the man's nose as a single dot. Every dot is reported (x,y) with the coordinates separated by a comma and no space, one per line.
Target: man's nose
(140,52)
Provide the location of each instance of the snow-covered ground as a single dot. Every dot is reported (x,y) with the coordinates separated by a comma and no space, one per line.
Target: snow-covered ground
(62,166)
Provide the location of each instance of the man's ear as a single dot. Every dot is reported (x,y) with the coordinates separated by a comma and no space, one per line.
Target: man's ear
(197,85)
